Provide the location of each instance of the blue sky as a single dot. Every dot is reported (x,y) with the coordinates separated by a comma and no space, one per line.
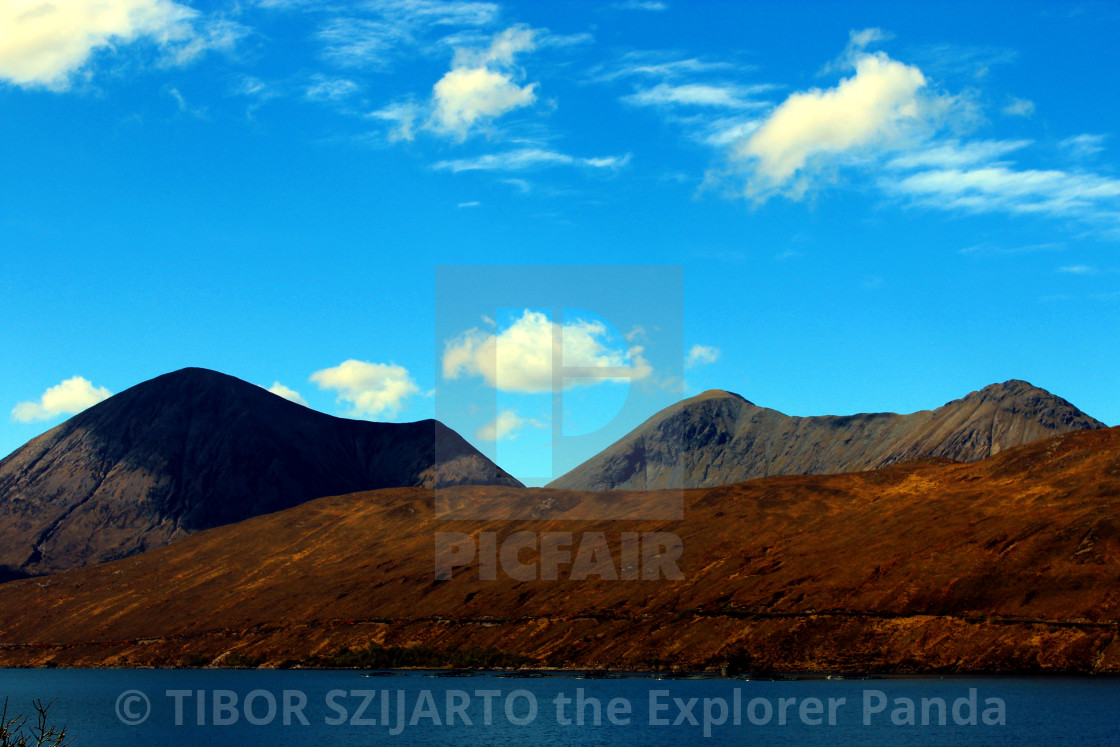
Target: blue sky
(873,206)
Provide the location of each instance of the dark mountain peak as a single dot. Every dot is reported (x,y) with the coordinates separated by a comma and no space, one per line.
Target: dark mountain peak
(716,394)
(196,448)
(1009,388)
(1021,398)
(192,379)
(718,438)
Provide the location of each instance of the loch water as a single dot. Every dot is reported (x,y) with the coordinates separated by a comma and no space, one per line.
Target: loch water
(127,708)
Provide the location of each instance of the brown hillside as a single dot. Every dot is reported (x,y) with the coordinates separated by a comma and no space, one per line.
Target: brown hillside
(1008,564)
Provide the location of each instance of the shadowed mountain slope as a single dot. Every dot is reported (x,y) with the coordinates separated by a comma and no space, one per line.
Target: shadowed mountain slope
(195,449)
(717,438)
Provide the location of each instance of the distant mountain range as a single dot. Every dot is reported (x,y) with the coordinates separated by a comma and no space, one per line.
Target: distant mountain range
(195,449)
(718,437)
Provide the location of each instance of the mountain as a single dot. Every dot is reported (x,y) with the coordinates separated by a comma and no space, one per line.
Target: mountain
(195,449)
(1008,564)
(717,438)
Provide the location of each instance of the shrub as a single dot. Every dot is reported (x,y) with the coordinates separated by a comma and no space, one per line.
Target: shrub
(15,732)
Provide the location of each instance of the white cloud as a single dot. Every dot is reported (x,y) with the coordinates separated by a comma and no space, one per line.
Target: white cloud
(636,334)
(528,158)
(877,108)
(371,389)
(505,426)
(658,65)
(701,355)
(992,249)
(520,357)
(71,396)
(725,131)
(650,5)
(858,42)
(1019,108)
(437,12)
(359,42)
(215,34)
(464,97)
(184,106)
(480,85)
(287,393)
(975,177)
(1083,146)
(470,204)
(253,87)
(953,60)
(698,94)
(704,97)
(397,24)
(986,188)
(45,44)
(322,88)
(403,116)
(954,154)
(1078,270)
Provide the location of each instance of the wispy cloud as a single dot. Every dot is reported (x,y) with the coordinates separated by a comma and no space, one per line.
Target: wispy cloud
(528,158)
(1084,146)
(955,154)
(67,398)
(253,87)
(653,65)
(1019,108)
(360,42)
(648,5)
(1002,188)
(949,60)
(323,88)
(184,106)
(505,426)
(708,99)
(995,249)
(402,117)
(375,34)
(701,355)
(287,393)
(437,12)
(728,96)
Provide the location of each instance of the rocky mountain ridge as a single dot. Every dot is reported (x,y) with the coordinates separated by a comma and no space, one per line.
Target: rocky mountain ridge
(719,437)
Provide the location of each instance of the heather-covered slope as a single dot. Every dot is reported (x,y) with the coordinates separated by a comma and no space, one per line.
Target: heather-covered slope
(1009,564)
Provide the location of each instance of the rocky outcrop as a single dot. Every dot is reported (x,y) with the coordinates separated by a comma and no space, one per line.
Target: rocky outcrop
(718,438)
(195,449)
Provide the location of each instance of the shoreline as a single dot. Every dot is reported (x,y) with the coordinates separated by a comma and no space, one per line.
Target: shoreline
(586,673)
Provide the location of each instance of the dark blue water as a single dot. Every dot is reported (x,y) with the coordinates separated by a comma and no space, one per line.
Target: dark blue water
(185,707)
